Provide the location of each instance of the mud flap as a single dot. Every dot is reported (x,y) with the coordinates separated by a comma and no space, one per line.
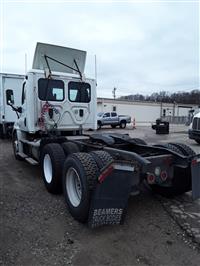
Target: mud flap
(195,168)
(110,198)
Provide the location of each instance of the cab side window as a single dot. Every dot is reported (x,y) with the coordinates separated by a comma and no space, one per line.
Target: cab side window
(106,115)
(113,114)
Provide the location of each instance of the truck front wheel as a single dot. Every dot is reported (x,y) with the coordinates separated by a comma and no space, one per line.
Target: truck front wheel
(15,145)
(79,179)
(52,160)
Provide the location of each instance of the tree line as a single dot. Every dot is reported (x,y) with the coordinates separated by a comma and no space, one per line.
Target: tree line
(192,97)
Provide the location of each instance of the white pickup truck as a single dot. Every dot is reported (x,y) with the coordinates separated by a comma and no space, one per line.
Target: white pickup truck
(112,119)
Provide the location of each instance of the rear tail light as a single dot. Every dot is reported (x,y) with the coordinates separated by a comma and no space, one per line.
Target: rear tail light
(105,173)
(151,178)
(163,175)
(195,161)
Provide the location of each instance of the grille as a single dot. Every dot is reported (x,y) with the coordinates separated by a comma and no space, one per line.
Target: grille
(196,124)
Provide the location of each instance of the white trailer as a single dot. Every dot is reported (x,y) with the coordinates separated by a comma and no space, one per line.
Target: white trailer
(10,91)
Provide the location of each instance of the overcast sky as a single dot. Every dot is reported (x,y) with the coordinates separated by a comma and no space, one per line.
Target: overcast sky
(140,47)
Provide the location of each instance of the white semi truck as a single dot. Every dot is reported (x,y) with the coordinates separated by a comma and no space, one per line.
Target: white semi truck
(96,173)
(194,130)
(10,91)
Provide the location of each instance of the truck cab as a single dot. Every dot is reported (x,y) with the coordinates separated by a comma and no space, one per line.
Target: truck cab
(194,129)
(55,98)
(62,103)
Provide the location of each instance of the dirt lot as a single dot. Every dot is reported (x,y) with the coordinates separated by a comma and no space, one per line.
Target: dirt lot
(36,228)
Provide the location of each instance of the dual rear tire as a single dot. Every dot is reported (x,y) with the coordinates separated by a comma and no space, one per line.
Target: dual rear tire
(74,173)
(181,181)
(80,173)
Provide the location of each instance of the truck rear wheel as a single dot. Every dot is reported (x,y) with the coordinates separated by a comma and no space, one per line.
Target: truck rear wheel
(123,124)
(79,179)
(185,149)
(102,158)
(181,181)
(69,148)
(52,160)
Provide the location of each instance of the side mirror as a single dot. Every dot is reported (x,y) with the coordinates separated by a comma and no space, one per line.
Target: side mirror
(19,109)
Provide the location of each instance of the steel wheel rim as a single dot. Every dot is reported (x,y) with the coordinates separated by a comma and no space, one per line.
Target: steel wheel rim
(73,187)
(15,144)
(47,166)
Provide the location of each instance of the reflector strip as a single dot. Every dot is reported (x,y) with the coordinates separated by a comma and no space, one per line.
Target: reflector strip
(195,161)
(123,167)
(105,173)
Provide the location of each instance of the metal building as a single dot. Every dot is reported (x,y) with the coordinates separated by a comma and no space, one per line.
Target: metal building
(147,112)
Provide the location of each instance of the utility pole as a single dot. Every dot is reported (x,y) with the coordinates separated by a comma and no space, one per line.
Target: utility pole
(95,68)
(25,63)
(114,93)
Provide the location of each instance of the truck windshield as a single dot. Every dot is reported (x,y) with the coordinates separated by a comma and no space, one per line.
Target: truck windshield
(50,89)
(79,92)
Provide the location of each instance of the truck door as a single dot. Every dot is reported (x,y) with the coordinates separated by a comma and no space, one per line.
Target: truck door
(22,120)
(79,97)
(106,119)
(114,118)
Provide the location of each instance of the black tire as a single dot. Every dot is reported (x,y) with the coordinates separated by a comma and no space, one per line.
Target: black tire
(15,145)
(181,181)
(86,169)
(186,150)
(99,125)
(170,147)
(52,158)
(197,141)
(139,141)
(113,126)
(1,132)
(69,148)
(102,158)
(123,124)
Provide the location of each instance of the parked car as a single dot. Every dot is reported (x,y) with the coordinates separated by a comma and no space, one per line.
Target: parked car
(112,119)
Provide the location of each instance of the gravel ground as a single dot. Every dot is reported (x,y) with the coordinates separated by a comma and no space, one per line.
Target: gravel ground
(36,228)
